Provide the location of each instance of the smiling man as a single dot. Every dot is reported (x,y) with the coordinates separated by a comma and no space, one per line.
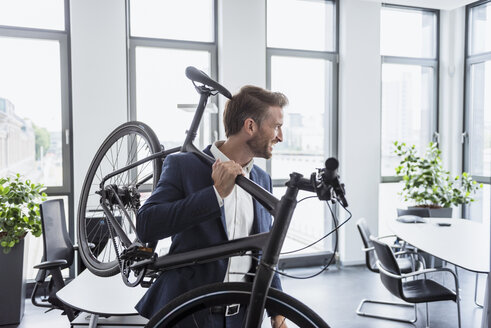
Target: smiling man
(200,206)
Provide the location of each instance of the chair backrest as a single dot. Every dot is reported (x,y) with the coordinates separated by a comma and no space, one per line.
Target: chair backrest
(388,261)
(57,243)
(370,256)
(418,211)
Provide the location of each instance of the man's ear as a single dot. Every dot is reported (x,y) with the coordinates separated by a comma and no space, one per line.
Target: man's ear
(249,126)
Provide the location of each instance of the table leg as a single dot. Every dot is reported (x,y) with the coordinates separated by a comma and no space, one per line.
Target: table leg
(486,312)
(94,318)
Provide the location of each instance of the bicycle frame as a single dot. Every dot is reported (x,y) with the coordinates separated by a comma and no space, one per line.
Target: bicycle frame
(269,243)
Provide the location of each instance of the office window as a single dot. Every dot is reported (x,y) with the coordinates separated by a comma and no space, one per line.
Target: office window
(165,38)
(408,47)
(477,129)
(301,47)
(409,55)
(34,99)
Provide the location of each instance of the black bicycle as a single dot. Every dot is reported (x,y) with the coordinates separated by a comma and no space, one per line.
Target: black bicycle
(127,165)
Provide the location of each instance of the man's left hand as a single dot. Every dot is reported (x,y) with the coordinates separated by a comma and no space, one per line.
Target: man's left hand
(278,321)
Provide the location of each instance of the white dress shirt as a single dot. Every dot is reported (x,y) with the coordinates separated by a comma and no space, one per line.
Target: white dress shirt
(239,216)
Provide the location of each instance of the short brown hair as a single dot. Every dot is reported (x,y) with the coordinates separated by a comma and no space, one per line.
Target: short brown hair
(251,102)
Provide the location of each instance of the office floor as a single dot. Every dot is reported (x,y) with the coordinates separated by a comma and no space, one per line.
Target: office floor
(335,295)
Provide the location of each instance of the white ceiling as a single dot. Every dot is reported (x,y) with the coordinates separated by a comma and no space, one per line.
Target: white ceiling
(435,4)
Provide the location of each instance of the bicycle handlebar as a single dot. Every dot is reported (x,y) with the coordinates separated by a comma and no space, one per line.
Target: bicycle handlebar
(196,75)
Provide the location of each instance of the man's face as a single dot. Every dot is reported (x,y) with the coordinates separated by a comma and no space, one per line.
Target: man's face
(268,134)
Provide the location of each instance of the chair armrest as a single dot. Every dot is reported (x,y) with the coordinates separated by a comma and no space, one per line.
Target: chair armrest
(368,249)
(77,247)
(50,264)
(431,270)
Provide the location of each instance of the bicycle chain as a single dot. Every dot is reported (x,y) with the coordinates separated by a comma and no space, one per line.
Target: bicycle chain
(116,249)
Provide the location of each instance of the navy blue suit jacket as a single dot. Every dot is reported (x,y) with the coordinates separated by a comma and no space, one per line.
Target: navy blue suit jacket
(184,206)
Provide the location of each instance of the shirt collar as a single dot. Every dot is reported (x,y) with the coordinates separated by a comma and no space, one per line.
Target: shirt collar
(219,155)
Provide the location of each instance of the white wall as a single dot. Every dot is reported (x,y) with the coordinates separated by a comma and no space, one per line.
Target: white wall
(359,119)
(452,58)
(99,101)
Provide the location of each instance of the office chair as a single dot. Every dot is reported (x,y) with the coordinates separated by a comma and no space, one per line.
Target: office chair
(419,290)
(58,255)
(406,263)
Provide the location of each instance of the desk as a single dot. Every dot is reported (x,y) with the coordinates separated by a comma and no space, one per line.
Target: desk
(465,243)
(103,296)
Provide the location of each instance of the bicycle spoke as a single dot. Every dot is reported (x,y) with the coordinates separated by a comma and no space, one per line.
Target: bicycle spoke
(130,143)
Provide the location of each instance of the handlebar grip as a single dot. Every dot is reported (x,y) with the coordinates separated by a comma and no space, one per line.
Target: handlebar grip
(196,75)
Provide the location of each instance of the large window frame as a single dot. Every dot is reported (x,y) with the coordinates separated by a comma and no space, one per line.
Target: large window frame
(331,128)
(65,190)
(471,59)
(63,37)
(138,41)
(432,63)
(389,186)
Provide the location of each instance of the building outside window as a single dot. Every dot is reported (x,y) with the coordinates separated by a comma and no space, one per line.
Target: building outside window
(310,120)
(477,127)
(34,99)
(409,55)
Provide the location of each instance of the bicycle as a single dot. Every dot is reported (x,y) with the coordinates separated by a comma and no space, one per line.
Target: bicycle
(126,162)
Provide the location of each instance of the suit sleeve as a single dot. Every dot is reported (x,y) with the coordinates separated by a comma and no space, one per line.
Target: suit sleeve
(169,210)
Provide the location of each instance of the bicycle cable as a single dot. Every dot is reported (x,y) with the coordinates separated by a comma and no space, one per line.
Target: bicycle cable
(320,239)
(324,268)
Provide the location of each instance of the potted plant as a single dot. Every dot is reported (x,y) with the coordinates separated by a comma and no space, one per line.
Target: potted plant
(19,214)
(427,184)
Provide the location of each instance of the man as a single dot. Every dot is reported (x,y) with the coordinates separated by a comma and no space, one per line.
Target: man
(200,206)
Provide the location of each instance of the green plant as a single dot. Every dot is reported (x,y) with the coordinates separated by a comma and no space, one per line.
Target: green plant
(427,184)
(19,210)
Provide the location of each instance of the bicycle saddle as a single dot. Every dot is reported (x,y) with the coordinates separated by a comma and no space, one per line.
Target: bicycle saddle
(196,75)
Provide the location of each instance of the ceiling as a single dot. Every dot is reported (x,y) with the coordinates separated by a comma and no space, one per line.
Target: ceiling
(435,4)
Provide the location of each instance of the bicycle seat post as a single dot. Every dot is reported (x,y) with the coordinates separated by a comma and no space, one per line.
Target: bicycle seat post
(192,132)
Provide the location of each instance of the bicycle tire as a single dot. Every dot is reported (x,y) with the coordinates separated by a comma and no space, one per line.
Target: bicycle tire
(207,297)
(128,143)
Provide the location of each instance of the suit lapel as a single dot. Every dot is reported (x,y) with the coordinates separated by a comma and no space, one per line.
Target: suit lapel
(255,224)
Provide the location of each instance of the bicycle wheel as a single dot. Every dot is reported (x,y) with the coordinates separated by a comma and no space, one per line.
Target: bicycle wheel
(128,143)
(195,308)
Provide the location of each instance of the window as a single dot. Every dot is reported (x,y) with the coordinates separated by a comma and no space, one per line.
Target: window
(34,98)
(164,40)
(477,127)
(409,104)
(310,119)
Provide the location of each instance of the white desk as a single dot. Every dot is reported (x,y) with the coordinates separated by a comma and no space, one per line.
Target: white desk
(103,296)
(465,243)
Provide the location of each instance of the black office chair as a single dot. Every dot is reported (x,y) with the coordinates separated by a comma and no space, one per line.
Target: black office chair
(407,262)
(419,290)
(58,255)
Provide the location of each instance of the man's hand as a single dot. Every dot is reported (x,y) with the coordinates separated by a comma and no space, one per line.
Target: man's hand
(223,175)
(278,321)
